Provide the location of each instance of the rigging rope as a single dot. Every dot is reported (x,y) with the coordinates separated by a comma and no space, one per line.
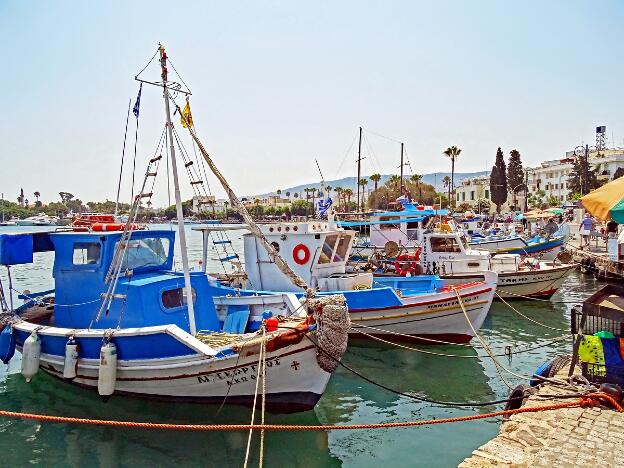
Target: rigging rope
(253,227)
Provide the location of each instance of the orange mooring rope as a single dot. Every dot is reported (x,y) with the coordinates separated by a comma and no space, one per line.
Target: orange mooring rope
(585,401)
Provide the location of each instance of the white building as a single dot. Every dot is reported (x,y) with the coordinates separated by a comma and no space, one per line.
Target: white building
(207,204)
(473,190)
(552,176)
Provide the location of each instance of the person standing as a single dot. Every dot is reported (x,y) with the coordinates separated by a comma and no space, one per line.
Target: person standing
(585,228)
(551,227)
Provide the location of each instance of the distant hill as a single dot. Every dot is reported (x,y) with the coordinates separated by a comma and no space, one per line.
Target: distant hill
(434,179)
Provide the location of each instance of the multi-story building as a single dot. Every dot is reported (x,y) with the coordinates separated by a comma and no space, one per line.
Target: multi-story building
(552,176)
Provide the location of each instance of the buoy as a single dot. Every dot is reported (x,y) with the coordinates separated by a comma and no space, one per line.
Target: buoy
(107,375)
(31,353)
(71,359)
(7,344)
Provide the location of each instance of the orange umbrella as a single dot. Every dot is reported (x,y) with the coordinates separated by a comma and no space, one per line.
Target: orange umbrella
(607,202)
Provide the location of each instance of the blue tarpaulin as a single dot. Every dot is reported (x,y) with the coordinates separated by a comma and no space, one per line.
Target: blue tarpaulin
(16,249)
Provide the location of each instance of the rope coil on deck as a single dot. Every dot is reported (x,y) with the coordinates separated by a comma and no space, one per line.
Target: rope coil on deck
(584,401)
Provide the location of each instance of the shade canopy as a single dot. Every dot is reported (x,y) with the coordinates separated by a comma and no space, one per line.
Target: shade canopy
(538,214)
(607,202)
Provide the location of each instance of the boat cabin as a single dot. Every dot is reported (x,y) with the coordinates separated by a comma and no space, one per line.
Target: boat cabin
(317,251)
(148,292)
(446,251)
(404,227)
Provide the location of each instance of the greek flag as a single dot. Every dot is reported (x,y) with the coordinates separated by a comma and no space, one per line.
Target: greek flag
(323,206)
(137,104)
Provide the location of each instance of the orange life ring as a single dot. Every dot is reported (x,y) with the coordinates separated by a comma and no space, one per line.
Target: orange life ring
(296,253)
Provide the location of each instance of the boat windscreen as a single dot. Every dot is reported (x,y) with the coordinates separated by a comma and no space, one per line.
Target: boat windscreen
(147,252)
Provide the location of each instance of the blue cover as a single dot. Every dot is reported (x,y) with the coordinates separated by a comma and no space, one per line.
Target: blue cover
(7,344)
(16,249)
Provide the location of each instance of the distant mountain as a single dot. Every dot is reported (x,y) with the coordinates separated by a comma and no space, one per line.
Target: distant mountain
(435,179)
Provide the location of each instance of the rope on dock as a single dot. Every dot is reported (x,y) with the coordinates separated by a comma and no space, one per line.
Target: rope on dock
(584,401)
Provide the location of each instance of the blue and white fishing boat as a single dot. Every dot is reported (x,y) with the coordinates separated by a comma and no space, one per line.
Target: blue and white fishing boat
(121,319)
(537,246)
(402,229)
(318,251)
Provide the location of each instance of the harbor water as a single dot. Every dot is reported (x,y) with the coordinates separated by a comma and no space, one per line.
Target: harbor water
(348,399)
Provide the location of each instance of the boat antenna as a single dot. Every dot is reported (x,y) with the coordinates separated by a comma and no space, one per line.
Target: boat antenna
(123,152)
(240,208)
(178,198)
(401,171)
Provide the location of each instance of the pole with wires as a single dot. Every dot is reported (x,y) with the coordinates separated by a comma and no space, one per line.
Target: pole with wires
(123,153)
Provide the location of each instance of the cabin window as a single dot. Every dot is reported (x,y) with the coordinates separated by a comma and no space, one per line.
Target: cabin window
(328,248)
(86,253)
(174,298)
(148,252)
(341,250)
(385,227)
(444,244)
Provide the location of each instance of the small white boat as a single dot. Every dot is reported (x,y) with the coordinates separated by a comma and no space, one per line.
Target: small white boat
(41,219)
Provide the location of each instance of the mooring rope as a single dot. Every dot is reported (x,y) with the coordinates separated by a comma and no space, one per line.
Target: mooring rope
(584,401)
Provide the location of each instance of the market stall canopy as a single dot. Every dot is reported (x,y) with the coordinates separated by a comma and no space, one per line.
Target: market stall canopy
(607,201)
(556,211)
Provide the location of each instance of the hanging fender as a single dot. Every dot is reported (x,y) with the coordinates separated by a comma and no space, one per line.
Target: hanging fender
(301,254)
(71,359)
(31,353)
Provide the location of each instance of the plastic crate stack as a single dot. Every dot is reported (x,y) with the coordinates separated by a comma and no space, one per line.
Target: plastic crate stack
(598,328)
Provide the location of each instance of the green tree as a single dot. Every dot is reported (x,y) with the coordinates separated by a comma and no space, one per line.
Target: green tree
(395,180)
(498,181)
(447,184)
(417,178)
(348,193)
(375,178)
(582,178)
(619,172)
(363,183)
(515,174)
(453,153)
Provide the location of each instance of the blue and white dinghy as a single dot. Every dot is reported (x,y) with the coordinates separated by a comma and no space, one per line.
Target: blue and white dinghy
(123,321)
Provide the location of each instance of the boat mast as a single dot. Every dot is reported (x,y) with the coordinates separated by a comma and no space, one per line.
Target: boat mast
(178,199)
(359,160)
(402,186)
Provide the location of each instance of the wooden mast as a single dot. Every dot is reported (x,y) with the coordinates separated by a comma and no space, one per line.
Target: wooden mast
(180,214)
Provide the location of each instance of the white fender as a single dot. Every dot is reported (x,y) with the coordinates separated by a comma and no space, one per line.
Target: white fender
(107,374)
(71,359)
(31,353)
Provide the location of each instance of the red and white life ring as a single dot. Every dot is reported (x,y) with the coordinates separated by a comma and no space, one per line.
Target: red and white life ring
(301,254)
(408,263)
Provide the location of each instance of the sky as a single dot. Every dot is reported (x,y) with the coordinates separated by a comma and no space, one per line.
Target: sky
(279,84)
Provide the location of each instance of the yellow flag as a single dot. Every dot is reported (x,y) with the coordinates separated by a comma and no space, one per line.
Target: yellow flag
(186,118)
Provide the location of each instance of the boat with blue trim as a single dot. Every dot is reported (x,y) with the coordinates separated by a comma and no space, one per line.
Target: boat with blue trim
(123,321)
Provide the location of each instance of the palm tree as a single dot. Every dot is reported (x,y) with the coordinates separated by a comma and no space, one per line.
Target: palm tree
(375,178)
(348,194)
(339,191)
(395,180)
(363,183)
(37,195)
(328,190)
(296,195)
(452,152)
(447,184)
(416,178)
(288,195)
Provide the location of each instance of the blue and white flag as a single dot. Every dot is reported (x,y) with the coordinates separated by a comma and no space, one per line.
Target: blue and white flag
(137,104)
(323,206)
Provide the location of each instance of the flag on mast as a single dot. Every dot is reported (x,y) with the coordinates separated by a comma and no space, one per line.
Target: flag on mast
(137,104)
(186,118)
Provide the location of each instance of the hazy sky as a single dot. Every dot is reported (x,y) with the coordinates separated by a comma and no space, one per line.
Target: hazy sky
(278,84)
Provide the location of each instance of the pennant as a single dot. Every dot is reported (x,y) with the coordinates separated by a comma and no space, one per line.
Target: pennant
(137,104)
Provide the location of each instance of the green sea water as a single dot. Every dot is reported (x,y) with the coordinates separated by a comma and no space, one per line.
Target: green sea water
(348,399)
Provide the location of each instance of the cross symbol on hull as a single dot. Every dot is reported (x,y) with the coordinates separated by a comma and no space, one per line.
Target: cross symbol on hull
(295,365)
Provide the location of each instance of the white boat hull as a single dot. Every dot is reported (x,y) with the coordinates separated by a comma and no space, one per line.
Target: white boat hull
(294,380)
(520,284)
(436,316)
